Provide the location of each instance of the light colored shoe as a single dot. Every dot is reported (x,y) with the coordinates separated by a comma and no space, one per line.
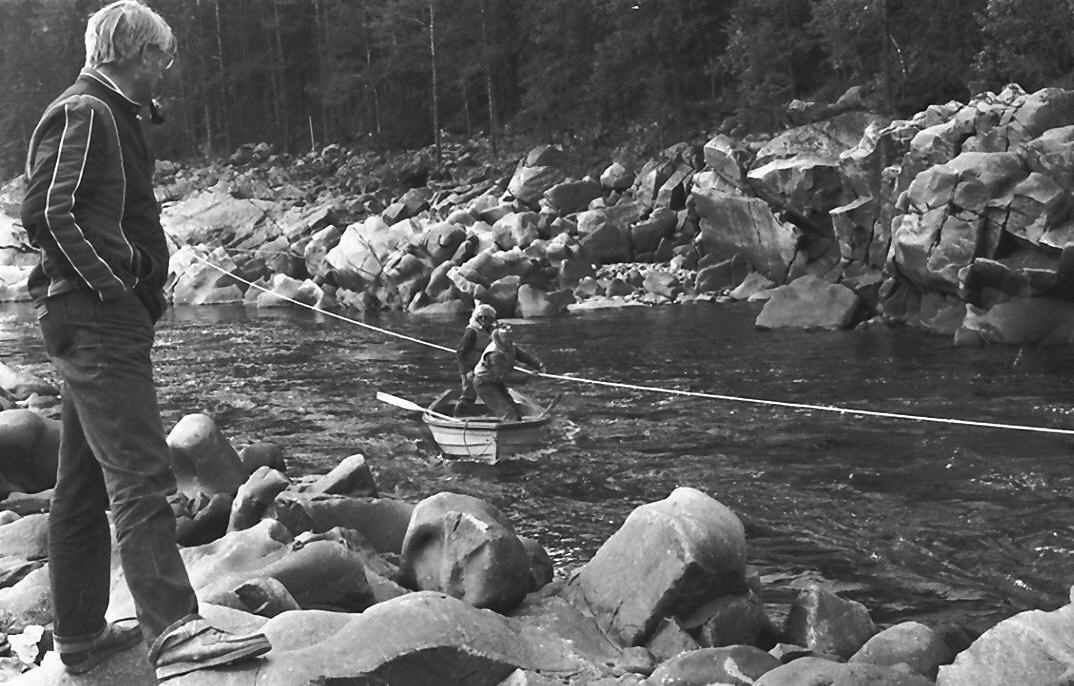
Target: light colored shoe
(192,644)
(80,657)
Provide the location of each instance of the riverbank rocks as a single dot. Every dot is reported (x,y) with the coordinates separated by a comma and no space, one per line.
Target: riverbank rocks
(254,497)
(1030,321)
(29,451)
(732,224)
(464,547)
(827,624)
(809,302)
(197,283)
(421,639)
(352,476)
(202,458)
(667,558)
(27,602)
(819,671)
(1033,647)
(733,666)
(912,644)
(25,538)
(322,574)
(382,522)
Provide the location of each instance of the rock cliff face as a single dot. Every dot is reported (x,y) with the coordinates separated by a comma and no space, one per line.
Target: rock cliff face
(932,221)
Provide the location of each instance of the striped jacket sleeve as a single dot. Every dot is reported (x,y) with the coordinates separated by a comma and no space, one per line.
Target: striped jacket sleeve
(64,154)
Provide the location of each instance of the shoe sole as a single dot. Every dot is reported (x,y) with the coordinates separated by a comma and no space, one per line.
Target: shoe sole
(237,655)
(131,638)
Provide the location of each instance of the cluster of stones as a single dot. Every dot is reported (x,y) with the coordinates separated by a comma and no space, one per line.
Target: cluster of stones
(352,587)
(956,220)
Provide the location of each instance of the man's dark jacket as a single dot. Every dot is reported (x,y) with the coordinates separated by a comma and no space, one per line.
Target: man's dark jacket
(89,203)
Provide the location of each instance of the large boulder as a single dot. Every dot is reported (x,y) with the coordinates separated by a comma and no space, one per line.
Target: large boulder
(382,522)
(809,302)
(533,302)
(25,538)
(315,251)
(912,644)
(667,558)
(359,257)
(551,609)
(807,183)
(14,281)
(731,666)
(216,217)
(421,639)
(464,547)
(203,459)
(1028,321)
(572,195)
(284,291)
(518,229)
(1034,647)
(817,671)
(203,276)
(535,174)
(321,574)
(735,225)
(1052,154)
(27,602)
(732,620)
(825,623)
(828,138)
(29,450)
(352,476)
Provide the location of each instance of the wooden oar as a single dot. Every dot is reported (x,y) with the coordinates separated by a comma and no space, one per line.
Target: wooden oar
(555,401)
(408,405)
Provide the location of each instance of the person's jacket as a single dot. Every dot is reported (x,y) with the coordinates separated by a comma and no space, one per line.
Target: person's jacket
(89,203)
(496,362)
(473,342)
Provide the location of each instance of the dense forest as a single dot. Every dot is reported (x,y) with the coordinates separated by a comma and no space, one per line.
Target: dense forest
(393,74)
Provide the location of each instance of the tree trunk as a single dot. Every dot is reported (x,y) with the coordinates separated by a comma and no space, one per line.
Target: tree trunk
(224,90)
(279,73)
(494,125)
(320,31)
(432,60)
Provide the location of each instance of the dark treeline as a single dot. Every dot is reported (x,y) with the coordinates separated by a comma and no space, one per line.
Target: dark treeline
(390,73)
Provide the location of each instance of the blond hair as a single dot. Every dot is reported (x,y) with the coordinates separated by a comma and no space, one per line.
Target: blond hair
(117,32)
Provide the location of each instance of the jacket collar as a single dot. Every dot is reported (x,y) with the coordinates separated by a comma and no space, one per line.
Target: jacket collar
(104,80)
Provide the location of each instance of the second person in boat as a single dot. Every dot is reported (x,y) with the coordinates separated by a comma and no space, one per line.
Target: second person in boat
(497,367)
(475,338)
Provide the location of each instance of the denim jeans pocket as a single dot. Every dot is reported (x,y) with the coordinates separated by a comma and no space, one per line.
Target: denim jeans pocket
(55,329)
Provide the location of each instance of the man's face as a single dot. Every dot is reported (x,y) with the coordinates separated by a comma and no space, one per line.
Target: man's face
(154,62)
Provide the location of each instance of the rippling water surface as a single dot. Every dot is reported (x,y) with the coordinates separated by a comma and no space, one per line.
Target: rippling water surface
(917,520)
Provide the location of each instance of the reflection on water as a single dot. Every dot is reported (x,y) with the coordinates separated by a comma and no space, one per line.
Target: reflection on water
(916,520)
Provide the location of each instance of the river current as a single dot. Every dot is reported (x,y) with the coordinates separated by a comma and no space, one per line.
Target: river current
(916,520)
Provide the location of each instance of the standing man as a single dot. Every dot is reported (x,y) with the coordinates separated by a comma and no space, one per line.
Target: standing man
(475,337)
(90,210)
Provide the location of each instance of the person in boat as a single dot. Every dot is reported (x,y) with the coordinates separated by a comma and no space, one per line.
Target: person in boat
(475,338)
(496,367)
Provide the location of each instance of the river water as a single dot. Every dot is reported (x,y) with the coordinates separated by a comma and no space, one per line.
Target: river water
(916,520)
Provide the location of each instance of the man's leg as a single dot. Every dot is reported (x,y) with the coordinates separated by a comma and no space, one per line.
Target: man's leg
(499,401)
(105,361)
(79,540)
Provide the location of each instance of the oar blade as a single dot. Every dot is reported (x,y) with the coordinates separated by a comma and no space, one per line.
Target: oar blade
(399,402)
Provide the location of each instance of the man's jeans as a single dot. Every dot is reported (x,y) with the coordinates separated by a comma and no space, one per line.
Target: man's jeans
(112,454)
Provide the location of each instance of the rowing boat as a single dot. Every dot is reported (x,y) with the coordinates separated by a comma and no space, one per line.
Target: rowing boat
(485,438)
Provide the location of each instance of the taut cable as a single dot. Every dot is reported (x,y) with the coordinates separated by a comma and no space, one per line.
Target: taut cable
(672,391)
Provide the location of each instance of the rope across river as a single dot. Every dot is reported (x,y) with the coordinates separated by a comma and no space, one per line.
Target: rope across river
(671,391)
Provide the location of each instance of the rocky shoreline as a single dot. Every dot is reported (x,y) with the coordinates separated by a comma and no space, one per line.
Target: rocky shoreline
(355,587)
(956,220)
